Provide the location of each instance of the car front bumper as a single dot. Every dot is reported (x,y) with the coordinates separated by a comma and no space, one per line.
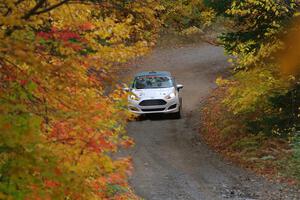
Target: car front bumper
(171,106)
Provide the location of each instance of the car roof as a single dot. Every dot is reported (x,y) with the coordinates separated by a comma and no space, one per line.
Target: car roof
(157,73)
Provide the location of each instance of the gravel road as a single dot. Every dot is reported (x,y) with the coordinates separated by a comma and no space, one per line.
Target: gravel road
(170,160)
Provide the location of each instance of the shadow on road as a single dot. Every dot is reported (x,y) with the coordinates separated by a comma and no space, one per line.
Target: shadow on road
(156,117)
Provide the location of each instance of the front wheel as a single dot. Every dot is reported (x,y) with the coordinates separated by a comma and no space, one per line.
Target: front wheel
(177,115)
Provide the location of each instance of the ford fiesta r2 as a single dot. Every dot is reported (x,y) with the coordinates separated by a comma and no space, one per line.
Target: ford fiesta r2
(154,92)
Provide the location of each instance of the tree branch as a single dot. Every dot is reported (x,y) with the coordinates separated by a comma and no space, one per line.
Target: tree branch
(34,9)
(50,8)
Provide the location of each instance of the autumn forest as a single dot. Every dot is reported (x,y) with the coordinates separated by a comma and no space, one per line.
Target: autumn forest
(63,112)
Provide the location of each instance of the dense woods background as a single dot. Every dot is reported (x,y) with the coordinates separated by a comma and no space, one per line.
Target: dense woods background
(60,119)
(254,118)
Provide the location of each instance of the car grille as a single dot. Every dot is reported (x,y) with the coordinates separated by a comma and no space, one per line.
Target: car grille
(153,110)
(153,102)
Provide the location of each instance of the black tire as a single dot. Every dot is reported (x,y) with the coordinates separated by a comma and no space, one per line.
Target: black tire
(177,115)
(141,117)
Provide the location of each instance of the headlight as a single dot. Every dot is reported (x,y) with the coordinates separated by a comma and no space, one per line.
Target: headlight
(170,96)
(134,97)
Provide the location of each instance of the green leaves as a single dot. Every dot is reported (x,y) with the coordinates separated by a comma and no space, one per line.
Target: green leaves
(254,44)
(257,23)
(183,14)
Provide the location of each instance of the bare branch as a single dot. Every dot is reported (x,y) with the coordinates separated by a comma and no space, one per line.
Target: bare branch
(35,10)
(50,8)
(38,5)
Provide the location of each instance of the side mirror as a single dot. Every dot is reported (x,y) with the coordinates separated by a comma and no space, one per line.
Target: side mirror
(126,89)
(179,86)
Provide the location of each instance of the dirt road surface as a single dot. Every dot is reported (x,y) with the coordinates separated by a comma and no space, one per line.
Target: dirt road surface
(170,160)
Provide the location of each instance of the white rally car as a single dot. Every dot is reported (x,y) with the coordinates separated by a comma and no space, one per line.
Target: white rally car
(154,92)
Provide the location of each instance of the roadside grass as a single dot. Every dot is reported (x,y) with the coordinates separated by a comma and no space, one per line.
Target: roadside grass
(290,166)
(276,158)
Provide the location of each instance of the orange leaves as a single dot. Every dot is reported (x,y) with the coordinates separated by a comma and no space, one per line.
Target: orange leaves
(87,26)
(114,185)
(61,132)
(84,135)
(127,142)
(61,103)
(289,58)
(100,145)
(104,144)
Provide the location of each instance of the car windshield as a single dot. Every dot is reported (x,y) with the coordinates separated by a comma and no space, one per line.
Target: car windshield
(148,82)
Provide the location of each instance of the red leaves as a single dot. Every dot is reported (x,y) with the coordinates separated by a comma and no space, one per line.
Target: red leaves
(67,35)
(68,38)
(23,82)
(82,125)
(44,35)
(62,35)
(75,47)
(51,184)
(73,123)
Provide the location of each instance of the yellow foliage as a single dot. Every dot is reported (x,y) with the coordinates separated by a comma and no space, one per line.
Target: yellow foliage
(60,114)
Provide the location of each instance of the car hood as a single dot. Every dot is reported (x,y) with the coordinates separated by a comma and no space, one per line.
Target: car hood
(153,93)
